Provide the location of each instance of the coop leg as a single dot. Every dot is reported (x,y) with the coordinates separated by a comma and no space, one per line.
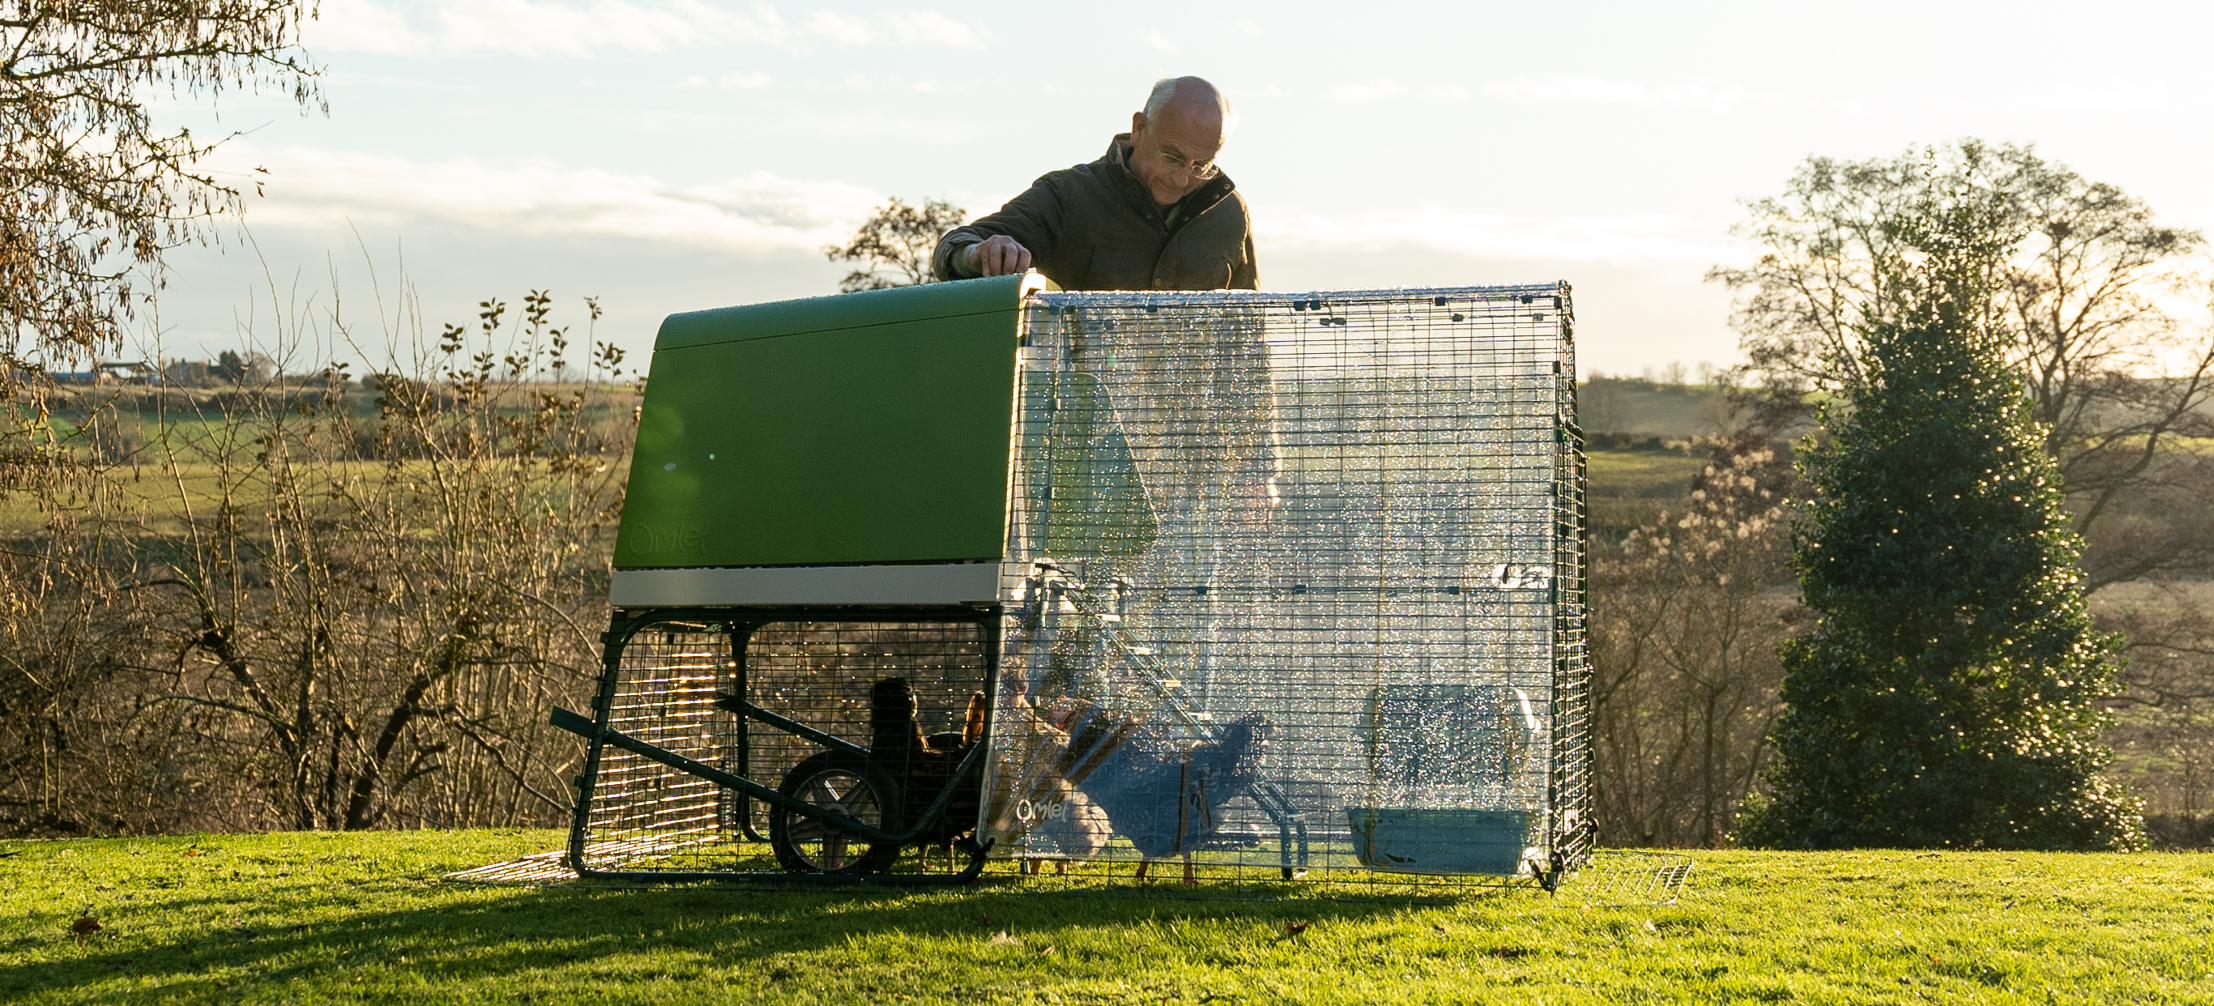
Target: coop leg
(1142,864)
(1191,878)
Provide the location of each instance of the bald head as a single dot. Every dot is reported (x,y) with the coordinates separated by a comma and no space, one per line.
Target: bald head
(1192,99)
(1175,140)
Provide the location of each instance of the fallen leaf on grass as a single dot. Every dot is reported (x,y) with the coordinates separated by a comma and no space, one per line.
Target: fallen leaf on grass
(1650,927)
(1047,952)
(1295,928)
(85,926)
(1001,939)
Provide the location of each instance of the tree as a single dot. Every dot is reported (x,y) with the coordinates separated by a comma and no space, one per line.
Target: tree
(1952,691)
(896,242)
(90,188)
(2080,272)
(236,368)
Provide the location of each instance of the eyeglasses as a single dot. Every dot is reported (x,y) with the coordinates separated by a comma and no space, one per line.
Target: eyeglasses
(1201,170)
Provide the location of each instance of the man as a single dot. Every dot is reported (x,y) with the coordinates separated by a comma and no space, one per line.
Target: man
(1154,213)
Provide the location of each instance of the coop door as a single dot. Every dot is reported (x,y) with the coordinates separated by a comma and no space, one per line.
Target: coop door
(1082,479)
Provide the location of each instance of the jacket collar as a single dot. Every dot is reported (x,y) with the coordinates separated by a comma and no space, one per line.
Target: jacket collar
(1117,162)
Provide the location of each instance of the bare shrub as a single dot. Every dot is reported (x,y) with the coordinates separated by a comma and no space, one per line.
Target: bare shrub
(311,603)
(2163,731)
(1687,612)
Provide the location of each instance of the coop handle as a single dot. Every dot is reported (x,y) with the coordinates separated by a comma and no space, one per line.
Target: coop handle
(577,724)
(735,704)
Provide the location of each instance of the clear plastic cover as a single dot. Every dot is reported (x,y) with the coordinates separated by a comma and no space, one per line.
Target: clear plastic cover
(1293,582)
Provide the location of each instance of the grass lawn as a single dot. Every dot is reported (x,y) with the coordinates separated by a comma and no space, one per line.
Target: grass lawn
(364,918)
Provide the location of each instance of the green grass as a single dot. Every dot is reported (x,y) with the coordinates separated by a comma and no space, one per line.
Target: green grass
(1631,488)
(364,918)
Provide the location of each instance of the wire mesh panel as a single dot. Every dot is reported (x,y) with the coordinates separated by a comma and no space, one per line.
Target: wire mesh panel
(640,813)
(1294,582)
(821,673)
(672,685)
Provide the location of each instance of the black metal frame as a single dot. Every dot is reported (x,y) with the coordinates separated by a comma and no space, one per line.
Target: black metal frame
(1570,829)
(740,623)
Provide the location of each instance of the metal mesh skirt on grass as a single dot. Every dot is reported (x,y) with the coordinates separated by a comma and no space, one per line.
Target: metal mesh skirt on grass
(1608,877)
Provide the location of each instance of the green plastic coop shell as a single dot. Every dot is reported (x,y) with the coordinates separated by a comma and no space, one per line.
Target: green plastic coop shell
(849,449)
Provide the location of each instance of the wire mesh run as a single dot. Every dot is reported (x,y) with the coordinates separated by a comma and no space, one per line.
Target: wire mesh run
(1294,584)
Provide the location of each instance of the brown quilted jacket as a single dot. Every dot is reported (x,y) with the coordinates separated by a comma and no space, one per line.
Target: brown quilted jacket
(1094,227)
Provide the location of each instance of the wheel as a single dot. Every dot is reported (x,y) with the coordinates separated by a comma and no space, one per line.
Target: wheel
(845,783)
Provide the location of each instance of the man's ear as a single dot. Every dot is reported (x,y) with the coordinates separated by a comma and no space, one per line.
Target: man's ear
(1137,125)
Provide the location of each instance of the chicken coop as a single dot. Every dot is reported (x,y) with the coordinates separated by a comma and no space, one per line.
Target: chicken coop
(1185,585)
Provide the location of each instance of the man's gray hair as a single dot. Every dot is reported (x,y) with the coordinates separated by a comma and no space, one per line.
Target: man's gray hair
(1164,91)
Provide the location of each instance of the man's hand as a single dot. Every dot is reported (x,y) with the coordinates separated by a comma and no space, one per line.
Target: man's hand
(998,255)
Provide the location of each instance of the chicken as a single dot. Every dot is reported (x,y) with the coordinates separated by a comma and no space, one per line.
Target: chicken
(923,764)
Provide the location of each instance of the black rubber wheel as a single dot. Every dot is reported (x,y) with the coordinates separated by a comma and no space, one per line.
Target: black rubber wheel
(850,784)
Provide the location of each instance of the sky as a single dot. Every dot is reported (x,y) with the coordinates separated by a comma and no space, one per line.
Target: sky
(675,155)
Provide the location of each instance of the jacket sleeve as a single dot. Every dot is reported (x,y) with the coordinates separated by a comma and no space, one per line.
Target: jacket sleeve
(1033,219)
(1246,275)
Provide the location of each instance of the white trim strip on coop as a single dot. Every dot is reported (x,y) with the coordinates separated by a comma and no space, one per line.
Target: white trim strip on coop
(951,583)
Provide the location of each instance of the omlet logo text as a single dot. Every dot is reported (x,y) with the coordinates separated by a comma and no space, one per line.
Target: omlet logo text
(645,539)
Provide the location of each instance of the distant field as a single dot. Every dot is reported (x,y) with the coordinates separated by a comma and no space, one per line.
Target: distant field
(160,496)
(1640,408)
(312,918)
(1627,488)
(1631,488)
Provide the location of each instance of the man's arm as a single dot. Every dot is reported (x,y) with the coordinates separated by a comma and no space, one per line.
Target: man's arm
(1246,275)
(1008,241)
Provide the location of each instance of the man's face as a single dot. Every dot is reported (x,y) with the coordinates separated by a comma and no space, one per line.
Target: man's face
(1164,152)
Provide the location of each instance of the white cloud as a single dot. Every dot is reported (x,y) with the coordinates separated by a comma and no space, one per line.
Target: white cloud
(1593,90)
(928,27)
(736,81)
(549,28)
(931,85)
(761,213)
(323,189)
(1635,238)
(1386,89)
